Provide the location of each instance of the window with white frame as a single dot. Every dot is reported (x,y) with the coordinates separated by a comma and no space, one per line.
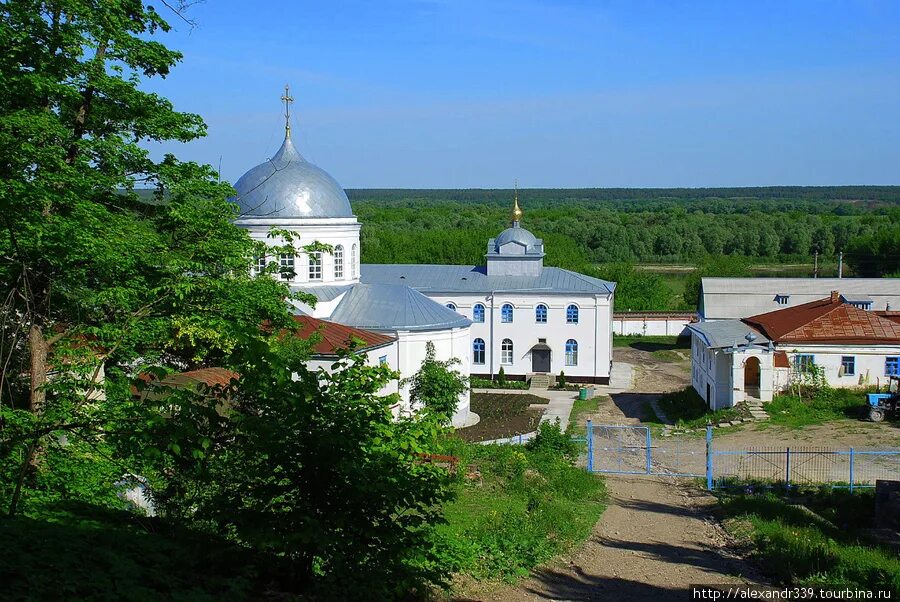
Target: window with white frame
(286,266)
(260,265)
(339,262)
(892,366)
(804,362)
(572,314)
(506,352)
(353,261)
(382,360)
(540,314)
(506,313)
(571,352)
(315,266)
(478,313)
(478,351)
(848,365)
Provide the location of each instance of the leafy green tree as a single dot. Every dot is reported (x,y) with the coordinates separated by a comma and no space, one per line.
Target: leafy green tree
(91,274)
(723,266)
(319,472)
(437,386)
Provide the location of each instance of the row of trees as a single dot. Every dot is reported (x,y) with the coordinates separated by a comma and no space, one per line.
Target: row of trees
(102,291)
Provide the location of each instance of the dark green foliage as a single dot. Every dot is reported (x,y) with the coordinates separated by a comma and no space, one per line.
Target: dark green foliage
(561,380)
(814,406)
(878,253)
(526,507)
(79,552)
(501,377)
(799,547)
(484,383)
(719,266)
(437,385)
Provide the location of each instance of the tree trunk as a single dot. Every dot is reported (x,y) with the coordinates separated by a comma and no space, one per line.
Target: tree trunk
(38,349)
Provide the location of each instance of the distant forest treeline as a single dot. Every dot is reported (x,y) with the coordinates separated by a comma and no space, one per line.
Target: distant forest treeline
(451,226)
(601,230)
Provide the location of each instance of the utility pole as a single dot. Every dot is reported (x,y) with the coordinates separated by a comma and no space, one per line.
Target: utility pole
(841,264)
(816,268)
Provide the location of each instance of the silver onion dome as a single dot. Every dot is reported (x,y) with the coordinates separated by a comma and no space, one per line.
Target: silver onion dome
(519,235)
(289,186)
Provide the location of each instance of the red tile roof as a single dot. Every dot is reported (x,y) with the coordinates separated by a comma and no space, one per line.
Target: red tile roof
(334,336)
(211,377)
(827,321)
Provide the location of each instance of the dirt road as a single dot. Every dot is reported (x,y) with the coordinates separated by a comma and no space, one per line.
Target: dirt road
(656,538)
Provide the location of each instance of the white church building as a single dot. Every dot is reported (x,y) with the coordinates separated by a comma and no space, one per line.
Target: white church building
(512,313)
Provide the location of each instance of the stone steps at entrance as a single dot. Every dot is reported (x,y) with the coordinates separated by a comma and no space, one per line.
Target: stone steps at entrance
(540,381)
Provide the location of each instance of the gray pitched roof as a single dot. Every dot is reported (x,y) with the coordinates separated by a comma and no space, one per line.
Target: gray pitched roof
(394,307)
(724,298)
(474,279)
(725,333)
(326,292)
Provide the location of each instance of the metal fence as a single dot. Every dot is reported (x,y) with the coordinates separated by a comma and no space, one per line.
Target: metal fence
(616,449)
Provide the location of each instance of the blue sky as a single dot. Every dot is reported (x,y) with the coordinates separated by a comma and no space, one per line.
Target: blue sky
(460,94)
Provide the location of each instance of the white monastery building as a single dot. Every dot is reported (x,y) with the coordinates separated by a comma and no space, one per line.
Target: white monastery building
(736,298)
(834,339)
(511,313)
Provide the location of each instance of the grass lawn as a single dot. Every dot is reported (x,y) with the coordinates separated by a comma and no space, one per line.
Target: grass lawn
(652,343)
(818,407)
(502,415)
(581,409)
(813,538)
(525,508)
(687,409)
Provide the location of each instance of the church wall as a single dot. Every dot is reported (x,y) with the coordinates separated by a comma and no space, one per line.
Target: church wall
(593,332)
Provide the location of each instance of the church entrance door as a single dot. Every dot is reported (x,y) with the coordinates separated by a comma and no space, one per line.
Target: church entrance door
(540,360)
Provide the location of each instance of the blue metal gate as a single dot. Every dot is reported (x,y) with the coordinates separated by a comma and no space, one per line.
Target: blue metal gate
(617,449)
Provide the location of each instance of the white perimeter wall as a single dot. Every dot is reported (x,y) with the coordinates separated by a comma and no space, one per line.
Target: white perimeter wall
(593,331)
(624,324)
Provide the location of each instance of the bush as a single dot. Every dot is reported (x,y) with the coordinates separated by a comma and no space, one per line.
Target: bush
(816,406)
(561,380)
(501,377)
(551,439)
(528,506)
(484,383)
(687,409)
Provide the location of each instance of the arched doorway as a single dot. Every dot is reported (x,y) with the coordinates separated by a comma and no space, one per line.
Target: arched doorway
(751,376)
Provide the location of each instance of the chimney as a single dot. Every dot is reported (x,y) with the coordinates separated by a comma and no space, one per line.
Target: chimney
(835,296)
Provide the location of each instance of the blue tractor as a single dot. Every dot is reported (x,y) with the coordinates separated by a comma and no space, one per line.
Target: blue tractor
(885,404)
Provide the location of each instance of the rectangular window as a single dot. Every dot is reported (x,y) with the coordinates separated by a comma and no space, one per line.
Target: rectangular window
(848,365)
(315,266)
(286,265)
(804,362)
(260,265)
(382,360)
(782,299)
(892,366)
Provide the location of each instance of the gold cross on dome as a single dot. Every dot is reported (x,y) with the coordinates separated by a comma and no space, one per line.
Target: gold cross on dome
(288,99)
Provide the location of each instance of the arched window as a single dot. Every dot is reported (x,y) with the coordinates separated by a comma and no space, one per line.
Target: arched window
(315,265)
(451,305)
(571,352)
(540,314)
(506,352)
(478,313)
(339,262)
(506,313)
(478,351)
(353,261)
(572,314)
(286,266)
